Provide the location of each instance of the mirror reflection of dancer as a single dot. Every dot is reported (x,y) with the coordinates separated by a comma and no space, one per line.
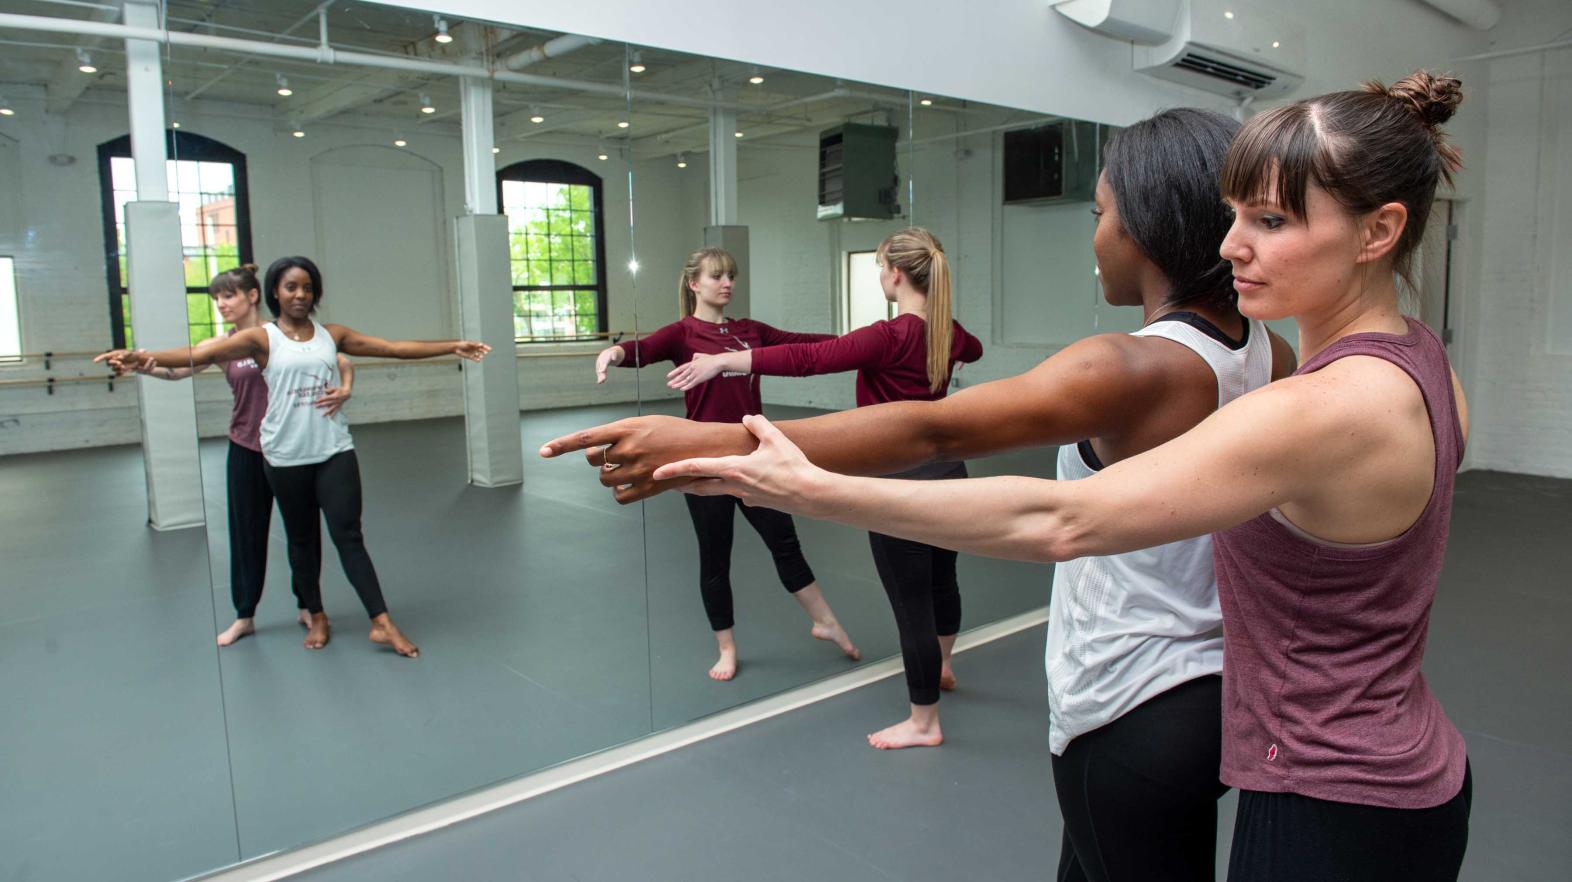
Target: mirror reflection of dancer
(703,293)
(237,295)
(1328,494)
(907,358)
(310,461)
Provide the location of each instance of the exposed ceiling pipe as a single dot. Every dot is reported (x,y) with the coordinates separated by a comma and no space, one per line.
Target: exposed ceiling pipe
(1480,14)
(552,48)
(1523,50)
(197,92)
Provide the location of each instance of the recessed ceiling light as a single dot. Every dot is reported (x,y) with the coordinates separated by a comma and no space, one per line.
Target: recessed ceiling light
(682,161)
(600,154)
(622,124)
(283,86)
(84,62)
(425,104)
(926,102)
(1276,43)
(737,134)
(442,31)
(298,133)
(1228,15)
(400,142)
(535,117)
(6,111)
(757,78)
(637,66)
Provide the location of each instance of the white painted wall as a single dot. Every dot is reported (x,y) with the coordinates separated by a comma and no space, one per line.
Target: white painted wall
(1519,310)
(375,216)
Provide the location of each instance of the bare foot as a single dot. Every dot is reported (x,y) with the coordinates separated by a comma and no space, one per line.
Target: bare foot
(320,633)
(726,667)
(304,618)
(920,730)
(946,678)
(234,632)
(834,633)
(383,631)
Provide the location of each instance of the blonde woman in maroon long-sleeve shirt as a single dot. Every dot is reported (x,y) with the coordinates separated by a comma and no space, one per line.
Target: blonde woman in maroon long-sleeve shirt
(703,292)
(908,358)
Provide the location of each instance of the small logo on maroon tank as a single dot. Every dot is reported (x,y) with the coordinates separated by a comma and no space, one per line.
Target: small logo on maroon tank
(1271,753)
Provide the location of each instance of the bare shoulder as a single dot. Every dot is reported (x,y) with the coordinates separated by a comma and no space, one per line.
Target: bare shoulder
(1358,401)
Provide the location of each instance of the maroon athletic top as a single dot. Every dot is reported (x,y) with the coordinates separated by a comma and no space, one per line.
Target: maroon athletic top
(1322,692)
(245,422)
(890,358)
(731,396)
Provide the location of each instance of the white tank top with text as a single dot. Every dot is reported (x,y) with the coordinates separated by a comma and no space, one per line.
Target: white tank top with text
(1125,628)
(294,430)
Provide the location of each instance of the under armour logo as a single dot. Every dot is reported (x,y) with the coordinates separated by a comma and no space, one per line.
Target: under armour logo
(1271,753)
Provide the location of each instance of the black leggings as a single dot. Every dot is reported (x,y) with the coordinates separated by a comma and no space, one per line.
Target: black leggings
(712,523)
(1139,795)
(333,489)
(1285,837)
(250,519)
(926,600)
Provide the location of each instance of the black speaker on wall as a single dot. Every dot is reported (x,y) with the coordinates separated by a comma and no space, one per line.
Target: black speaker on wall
(1056,162)
(857,176)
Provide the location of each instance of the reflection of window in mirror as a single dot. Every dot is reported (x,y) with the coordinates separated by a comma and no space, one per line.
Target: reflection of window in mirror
(556,248)
(10,325)
(208,180)
(865,303)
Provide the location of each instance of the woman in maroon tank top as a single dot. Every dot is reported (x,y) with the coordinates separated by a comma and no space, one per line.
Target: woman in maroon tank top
(249,500)
(1329,494)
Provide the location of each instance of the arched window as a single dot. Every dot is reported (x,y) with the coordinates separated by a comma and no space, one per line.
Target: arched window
(557,249)
(208,180)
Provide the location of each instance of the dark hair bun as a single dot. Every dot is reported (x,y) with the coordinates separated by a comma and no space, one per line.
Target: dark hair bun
(250,268)
(1433,98)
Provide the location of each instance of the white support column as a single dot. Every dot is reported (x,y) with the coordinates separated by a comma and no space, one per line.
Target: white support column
(723,167)
(491,388)
(156,282)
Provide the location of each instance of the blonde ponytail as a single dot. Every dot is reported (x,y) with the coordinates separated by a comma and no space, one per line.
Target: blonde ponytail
(917,253)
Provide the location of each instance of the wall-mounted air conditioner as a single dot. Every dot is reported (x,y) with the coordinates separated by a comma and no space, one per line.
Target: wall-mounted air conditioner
(1240,49)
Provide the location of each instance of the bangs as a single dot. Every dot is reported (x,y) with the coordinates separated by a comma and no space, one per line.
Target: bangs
(722,261)
(1273,160)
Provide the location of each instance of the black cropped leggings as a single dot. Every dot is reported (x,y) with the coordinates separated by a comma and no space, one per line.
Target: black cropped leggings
(250,519)
(926,600)
(712,522)
(331,488)
(1139,795)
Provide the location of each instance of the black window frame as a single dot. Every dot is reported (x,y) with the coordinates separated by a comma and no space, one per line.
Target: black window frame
(178,145)
(557,171)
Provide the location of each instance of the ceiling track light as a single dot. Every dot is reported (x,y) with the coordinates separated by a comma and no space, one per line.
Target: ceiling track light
(535,117)
(283,86)
(425,104)
(442,30)
(600,154)
(682,161)
(84,62)
(637,65)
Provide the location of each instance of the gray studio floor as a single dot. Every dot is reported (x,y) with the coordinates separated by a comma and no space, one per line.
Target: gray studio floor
(801,797)
(540,641)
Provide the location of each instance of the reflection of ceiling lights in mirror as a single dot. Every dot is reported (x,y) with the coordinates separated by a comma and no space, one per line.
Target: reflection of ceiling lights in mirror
(600,154)
(535,117)
(926,102)
(84,62)
(400,142)
(682,161)
(622,124)
(638,64)
(442,31)
(283,86)
(426,106)
(298,133)
(757,78)
(5,109)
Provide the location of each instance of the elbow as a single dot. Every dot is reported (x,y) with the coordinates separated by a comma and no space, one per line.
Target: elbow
(1051,537)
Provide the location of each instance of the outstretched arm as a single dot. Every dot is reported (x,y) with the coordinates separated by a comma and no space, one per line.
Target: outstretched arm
(250,343)
(352,342)
(1260,451)
(1090,389)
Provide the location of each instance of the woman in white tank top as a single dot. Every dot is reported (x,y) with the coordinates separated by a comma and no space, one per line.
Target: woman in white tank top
(1134,650)
(309,456)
